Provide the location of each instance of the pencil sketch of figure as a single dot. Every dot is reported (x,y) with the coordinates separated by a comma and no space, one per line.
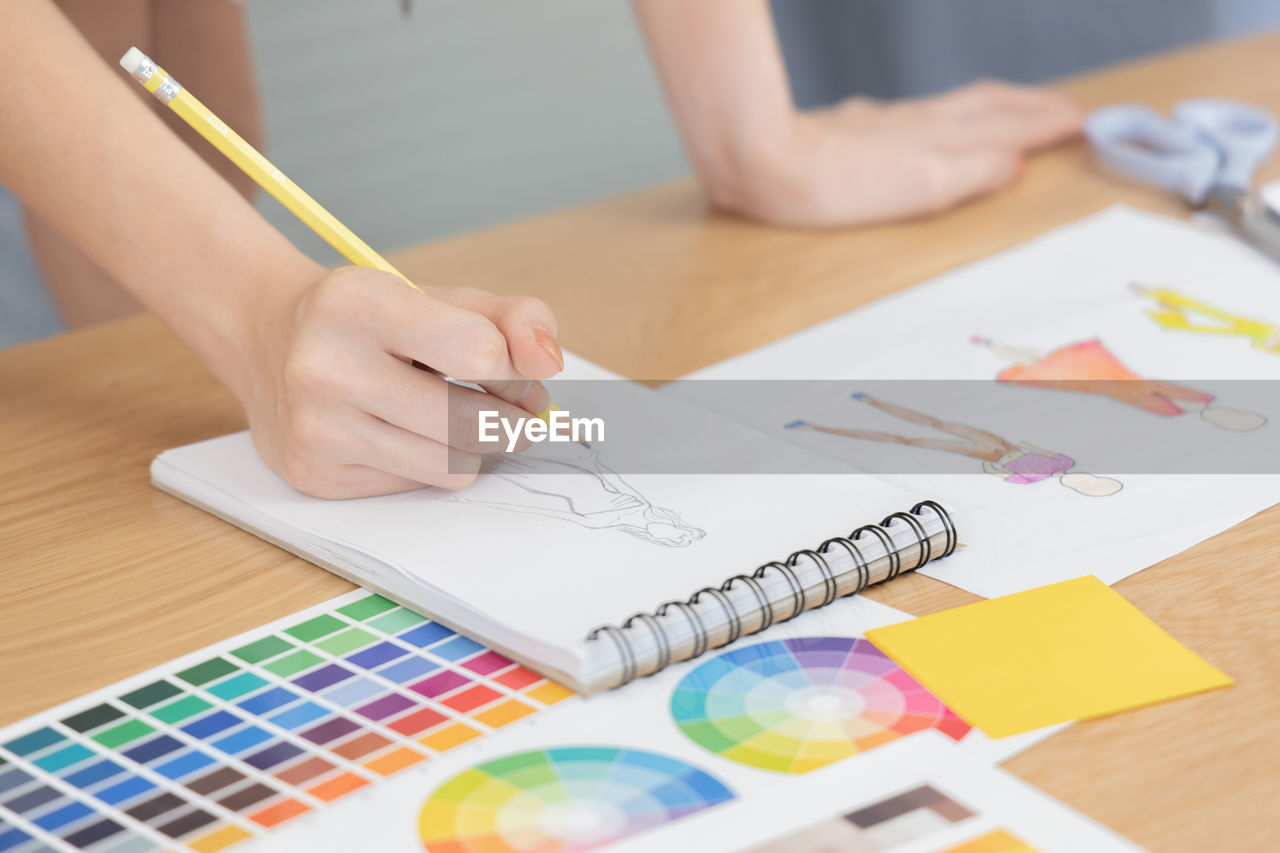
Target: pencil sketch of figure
(1090,368)
(1012,462)
(1175,311)
(578,487)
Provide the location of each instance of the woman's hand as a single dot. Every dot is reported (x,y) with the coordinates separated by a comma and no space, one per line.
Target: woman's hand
(323,362)
(855,163)
(337,407)
(866,161)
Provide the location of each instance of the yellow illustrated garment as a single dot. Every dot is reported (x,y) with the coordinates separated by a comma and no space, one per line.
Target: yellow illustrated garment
(1175,311)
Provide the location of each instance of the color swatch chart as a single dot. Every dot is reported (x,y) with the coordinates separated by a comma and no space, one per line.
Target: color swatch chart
(225,744)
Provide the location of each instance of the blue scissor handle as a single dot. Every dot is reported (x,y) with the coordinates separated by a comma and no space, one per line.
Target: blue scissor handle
(1137,141)
(1244,134)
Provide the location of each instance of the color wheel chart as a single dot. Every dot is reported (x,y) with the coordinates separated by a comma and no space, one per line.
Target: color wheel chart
(227,743)
(798,704)
(563,800)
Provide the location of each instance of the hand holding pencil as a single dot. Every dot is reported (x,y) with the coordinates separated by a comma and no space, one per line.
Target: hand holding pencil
(348,414)
(319,359)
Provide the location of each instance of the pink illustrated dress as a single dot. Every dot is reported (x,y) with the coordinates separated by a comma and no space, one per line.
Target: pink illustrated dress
(1090,368)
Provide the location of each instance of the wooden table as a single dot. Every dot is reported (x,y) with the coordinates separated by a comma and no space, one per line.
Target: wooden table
(653,286)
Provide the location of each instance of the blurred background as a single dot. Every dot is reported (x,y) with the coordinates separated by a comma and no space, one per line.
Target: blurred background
(467,113)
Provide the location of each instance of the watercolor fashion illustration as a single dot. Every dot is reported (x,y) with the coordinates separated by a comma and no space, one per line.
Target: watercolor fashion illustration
(576,486)
(1175,311)
(1013,462)
(1090,368)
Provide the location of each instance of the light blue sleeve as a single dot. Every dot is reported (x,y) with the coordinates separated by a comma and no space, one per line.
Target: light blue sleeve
(26,311)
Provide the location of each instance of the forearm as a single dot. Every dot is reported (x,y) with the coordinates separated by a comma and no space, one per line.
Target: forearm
(86,154)
(856,162)
(723,75)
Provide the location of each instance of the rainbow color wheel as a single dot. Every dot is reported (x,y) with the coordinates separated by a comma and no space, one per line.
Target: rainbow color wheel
(794,705)
(564,799)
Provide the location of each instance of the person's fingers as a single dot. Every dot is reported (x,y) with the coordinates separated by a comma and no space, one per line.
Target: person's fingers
(528,324)
(982,115)
(404,454)
(1020,132)
(987,95)
(1063,120)
(426,405)
(360,481)
(313,454)
(999,114)
(333,449)
(529,327)
(412,325)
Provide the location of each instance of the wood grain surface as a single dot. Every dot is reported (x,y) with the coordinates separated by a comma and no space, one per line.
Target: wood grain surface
(105,576)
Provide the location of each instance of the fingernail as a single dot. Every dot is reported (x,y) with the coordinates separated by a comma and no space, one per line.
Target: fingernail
(547,341)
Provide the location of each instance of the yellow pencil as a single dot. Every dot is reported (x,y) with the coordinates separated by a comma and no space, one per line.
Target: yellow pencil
(169,92)
(172,94)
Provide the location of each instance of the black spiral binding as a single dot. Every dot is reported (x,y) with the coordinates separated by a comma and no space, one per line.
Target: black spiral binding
(799,599)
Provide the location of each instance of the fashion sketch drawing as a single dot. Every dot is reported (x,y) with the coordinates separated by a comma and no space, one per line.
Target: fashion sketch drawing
(1182,313)
(1090,368)
(1013,462)
(578,487)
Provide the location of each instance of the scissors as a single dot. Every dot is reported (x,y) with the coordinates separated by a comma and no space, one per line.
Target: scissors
(1207,153)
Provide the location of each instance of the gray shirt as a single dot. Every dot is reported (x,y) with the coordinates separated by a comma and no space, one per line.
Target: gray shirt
(895,48)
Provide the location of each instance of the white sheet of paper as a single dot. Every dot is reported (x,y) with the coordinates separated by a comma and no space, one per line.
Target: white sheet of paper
(962,800)
(384,815)
(553,558)
(1072,284)
(637,716)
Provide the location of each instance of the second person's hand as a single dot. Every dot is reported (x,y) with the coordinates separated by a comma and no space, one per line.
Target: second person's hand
(858,162)
(865,161)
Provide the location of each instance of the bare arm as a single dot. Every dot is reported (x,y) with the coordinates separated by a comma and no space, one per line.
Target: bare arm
(318,359)
(722,71)
(859,161)
(84,152)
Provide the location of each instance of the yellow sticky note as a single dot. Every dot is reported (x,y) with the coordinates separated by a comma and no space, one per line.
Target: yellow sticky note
(1067,651)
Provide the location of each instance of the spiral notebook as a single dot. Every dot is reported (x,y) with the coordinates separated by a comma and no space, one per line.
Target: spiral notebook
(621,574)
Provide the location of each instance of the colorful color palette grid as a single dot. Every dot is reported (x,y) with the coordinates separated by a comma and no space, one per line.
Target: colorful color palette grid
(799,704)
(229,743)
(567,799)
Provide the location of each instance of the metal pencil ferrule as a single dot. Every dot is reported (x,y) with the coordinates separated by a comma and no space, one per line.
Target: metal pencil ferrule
(168,90)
